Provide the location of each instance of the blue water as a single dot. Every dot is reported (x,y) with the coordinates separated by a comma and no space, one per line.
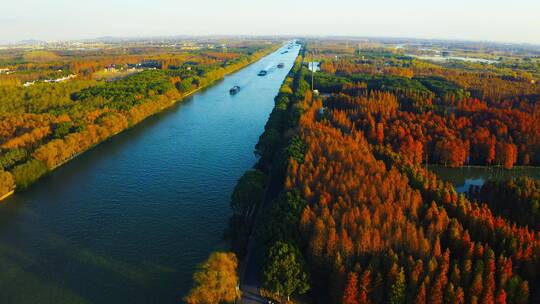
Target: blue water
(128,221)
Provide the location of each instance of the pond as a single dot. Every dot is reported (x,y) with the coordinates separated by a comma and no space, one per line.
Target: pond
(439,58)
(465,177)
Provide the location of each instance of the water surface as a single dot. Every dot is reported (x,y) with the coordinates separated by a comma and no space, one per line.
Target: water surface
(465,177)
(128,221)
(440,58)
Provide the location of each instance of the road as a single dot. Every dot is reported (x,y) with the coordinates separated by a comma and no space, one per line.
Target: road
(250,281)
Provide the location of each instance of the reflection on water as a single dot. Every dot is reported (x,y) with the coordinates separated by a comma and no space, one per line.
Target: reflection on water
(464,178)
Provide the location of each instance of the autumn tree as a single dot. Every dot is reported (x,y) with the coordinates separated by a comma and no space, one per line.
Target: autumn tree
(216,280)
(6,182)
(350,295)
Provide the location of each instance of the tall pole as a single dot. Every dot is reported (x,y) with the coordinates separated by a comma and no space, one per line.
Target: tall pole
(312,70)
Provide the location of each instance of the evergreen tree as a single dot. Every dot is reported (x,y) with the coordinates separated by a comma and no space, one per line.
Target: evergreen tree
(397,292)
(284,272)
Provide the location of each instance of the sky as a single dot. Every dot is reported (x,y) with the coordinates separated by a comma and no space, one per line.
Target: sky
(515,21)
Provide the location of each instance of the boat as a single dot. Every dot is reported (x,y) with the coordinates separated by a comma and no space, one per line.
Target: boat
(280,65)
(262,73)
(234,90)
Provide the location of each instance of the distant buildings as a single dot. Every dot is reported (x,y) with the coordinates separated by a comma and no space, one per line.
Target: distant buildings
(61,79)
(110,68)
(150,64)
(57,80)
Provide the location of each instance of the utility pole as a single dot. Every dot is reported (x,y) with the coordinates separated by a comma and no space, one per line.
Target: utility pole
(312,70)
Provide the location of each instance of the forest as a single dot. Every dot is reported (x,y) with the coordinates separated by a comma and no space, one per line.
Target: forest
(452,117)
(358,217)
(47,118)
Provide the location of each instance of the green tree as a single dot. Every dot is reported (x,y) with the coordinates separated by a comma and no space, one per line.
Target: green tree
(216,281)
(284,272)
(283,218)
(397,292)
(185,85)
(248,192)
(60,130)
(28,172)
(9,158)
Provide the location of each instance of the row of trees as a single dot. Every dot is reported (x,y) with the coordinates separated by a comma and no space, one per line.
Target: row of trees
(284,272)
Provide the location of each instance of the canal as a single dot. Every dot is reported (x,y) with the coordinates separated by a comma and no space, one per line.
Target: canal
(128,221)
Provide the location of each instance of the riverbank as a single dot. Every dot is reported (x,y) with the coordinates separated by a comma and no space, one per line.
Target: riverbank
(87,140)
(7,195)
(273,163)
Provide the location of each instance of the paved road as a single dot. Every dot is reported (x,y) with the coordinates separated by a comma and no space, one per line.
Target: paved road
(250,284)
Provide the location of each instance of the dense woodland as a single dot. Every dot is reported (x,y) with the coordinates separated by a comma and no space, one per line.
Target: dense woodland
(44,123)
(517,199)
(358,218)
(437,114)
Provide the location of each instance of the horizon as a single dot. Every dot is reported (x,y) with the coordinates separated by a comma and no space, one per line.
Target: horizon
(263,36)
(60,20)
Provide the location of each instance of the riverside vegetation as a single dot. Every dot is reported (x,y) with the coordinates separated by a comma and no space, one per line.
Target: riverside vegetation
(352,214)
(44,122)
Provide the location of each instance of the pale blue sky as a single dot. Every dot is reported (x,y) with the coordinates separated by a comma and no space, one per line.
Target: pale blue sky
(495,20)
